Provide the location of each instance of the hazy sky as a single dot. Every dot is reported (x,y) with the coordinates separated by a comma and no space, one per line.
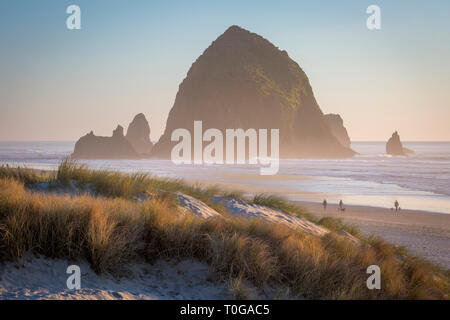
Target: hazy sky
(130,57)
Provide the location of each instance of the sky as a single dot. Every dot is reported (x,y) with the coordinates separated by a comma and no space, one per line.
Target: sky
(129,57)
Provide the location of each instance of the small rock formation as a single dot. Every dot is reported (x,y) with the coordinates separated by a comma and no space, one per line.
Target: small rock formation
(138,134)
(136,144)
(243,81)
(336,125)
(394,146)
(91,146)
(408,151)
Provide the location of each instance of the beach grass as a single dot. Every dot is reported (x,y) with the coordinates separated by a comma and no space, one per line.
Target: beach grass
(277,202)
(113,231)
(25,175)
(337,224)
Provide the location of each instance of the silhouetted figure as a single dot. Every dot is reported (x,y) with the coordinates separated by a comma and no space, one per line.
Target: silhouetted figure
(397,205)
(341,206)
(324,203)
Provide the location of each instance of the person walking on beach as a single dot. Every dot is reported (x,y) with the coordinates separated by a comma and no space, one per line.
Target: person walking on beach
(324,203)
(396,204)
(341,206)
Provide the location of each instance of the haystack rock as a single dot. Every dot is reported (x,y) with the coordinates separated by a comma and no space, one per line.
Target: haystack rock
(336,125)
(243,81)
(394,146)
(138,134)
(94,147)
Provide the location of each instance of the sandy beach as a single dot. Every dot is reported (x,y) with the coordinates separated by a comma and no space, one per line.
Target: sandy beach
(426,234)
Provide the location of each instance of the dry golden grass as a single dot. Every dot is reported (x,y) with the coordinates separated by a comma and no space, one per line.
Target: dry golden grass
(278,202)
(111,232)
(240,290)
(336,224)
(25,175)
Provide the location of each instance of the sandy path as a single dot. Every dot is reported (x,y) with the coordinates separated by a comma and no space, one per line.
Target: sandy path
(425,234)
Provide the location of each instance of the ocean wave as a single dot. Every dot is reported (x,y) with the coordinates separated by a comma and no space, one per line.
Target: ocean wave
(428,170)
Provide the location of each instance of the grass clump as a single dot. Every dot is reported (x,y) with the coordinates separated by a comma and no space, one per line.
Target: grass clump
(240,290)
(336,224)
(25,175)
(105,183)
(117,184)
(277,202)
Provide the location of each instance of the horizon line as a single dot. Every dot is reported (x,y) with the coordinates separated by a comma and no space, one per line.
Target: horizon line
(155,141)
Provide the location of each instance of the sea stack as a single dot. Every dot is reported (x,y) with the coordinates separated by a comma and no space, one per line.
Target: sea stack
(336,125)
(244,81)
(138,134)
(91,146)
(394,146)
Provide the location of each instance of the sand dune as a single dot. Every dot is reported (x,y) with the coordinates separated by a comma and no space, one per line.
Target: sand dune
(43,278)
(246,209)
(251,210)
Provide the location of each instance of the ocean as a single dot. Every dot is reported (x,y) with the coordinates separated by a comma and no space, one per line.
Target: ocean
(420,181)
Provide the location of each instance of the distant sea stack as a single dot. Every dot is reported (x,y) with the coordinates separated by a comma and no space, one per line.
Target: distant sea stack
(138,134)
(94,147)
(134,146)
(336,125)
(394,146)
(244,81)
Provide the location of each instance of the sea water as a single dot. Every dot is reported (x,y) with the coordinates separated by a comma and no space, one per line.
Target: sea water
(420,181)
